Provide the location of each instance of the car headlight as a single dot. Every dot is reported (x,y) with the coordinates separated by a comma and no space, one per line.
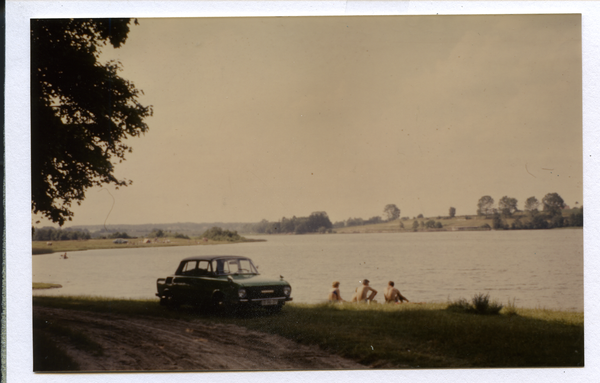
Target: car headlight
(287,290)
(242,293)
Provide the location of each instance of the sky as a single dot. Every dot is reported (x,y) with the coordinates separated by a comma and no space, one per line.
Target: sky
(269,117)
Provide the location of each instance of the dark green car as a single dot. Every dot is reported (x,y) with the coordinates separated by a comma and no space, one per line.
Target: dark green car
(222,281)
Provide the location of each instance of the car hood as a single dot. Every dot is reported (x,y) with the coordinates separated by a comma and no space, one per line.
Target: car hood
(258,280)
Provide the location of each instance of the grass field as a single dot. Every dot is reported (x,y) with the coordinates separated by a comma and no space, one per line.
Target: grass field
(393,336)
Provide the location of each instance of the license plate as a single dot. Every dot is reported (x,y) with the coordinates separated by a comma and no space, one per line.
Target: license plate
(269,302)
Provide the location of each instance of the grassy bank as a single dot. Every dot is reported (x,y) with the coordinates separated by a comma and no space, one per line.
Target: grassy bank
(41,247)
(394,336)
(457,223)
(43,286)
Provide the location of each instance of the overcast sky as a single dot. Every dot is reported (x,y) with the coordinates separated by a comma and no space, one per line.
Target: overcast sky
(270,117)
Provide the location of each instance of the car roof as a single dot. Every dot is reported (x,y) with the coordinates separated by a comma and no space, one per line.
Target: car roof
(212,257)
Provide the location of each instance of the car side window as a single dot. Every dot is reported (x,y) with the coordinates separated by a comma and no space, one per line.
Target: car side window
(203,267)
(221,266)
(189,268)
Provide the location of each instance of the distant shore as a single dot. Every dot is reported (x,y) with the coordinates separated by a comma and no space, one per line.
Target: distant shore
(49,247)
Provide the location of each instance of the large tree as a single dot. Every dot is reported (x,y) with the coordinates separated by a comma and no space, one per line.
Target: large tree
(317,220)
(391,211)
(81,112)
(485,205)
(507,206)
(531,205)
(553,204)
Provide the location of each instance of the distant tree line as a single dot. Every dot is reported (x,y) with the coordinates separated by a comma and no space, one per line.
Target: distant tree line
(550,217)
(317,222)
(358,222)
(52,234)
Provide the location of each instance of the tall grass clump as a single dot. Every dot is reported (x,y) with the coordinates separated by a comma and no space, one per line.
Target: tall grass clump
(511,308)
(480,304)
(38,251)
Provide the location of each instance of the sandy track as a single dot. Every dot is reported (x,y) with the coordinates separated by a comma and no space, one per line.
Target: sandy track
(149,343)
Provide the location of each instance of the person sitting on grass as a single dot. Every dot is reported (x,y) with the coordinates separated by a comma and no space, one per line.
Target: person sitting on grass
(362,292)
(334,294)
(392,294)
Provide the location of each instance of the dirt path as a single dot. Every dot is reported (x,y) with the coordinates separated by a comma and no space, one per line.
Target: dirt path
(148,343)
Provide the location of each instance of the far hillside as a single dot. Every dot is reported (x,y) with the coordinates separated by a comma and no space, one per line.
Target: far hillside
(517,221)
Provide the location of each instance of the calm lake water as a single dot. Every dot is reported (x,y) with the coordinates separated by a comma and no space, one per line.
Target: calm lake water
(539,268)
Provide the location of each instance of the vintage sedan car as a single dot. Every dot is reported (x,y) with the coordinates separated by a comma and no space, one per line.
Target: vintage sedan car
(222,282)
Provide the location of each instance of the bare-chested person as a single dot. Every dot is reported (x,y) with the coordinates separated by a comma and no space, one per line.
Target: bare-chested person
(362,293)
(334,294)
(392,294)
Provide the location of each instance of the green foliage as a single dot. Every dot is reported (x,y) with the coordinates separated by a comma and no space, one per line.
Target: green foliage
(317,222)
(81,112)
(497,222)
(461,305)
(517,224)
(510,309)
(391,211)
(553,204)
(117,234)
(531,205)
(52,234)
(576,218)
(415,225)
(44,250)
(355,222)
(485,206)
(156,233)
(507,206)
(480,304)
(452,212)
(44,286)
(218,234)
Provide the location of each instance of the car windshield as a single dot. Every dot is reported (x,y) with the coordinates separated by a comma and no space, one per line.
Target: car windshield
(234,266)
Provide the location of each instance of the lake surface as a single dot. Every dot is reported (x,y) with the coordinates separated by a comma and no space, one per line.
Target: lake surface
(536,268)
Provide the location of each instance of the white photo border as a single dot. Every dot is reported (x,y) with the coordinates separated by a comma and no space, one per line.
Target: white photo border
(19,358)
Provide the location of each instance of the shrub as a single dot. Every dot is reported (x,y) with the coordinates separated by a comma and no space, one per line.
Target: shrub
(480,304)
(218,234)
(461,305)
